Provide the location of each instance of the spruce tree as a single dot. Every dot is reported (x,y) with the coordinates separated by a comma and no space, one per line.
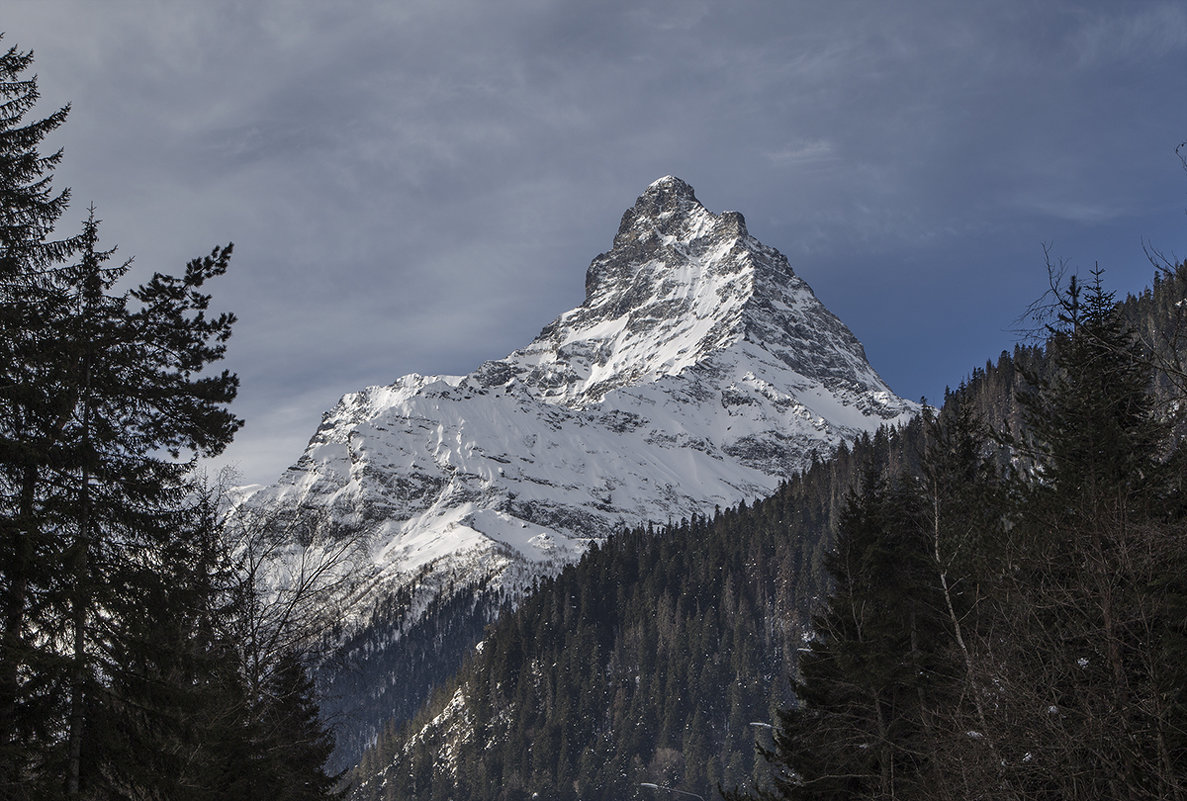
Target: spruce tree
(860,723)
(105,404)
(30,693)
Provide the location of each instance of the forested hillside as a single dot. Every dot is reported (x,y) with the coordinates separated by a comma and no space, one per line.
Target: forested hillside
(649,660)
(380,672)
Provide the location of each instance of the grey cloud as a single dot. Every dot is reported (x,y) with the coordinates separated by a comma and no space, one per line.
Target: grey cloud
(420,185)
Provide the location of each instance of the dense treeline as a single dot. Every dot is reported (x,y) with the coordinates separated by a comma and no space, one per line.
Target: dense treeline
(140,654)
(1014,632)
(946,585)
(385,670)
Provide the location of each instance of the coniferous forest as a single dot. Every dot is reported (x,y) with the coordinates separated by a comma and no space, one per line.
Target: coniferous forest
(1012,631)
(140,658)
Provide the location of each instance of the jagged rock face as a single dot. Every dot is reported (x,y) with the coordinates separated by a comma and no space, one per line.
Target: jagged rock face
(680,285)
(669,293)
(700,370)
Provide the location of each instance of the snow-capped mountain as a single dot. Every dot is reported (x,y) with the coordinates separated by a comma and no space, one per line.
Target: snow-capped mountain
(699,371)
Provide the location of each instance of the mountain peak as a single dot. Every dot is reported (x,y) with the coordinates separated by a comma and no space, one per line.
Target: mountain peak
(692,334)
(700,370)
(666,207)
(681,287)
(670,185)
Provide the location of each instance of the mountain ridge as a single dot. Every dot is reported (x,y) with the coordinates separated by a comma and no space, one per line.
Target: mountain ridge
(699,371)
(685,301)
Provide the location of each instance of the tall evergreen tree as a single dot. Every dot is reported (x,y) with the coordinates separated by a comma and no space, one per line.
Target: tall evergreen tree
(965,515)
(865,697)
(104,402)
(116,488)
(29,210)
(296,742)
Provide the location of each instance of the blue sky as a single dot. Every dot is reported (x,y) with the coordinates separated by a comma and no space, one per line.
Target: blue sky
(419,186)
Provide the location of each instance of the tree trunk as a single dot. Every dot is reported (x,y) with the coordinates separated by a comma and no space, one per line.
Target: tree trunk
(14,621)
(80,601)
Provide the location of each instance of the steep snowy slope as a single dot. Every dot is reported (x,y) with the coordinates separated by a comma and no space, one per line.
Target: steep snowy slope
(700,370)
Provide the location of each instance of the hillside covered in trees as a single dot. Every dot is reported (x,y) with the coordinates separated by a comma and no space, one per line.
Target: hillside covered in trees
(985,603)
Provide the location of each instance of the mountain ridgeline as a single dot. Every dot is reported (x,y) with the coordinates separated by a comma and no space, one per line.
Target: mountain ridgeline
(647,662)
(699,371)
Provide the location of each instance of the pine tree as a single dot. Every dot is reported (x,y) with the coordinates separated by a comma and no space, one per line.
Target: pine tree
(102,393)
(859,726)
(29,209)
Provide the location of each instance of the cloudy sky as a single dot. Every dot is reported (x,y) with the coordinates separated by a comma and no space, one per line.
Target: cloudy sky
(419,186)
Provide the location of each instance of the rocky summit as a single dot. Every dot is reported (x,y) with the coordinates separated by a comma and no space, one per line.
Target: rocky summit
(699,371)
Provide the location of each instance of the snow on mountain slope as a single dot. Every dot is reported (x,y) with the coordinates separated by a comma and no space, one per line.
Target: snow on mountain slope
(700,370)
